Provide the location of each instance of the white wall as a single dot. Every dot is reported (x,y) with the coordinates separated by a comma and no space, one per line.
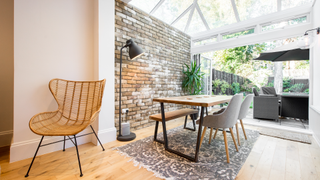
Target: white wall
(53,39)
(315,74)
(6,72)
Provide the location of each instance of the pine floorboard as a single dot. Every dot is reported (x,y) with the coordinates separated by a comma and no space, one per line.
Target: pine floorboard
(270,158)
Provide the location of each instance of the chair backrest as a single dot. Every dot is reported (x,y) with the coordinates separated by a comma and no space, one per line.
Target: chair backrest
(255,92)
(77,100)
(232,111)
(245,106)
(269,90)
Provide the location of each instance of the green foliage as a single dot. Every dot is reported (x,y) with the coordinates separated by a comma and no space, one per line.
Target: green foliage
(306,90)
(247,87)
(193,79)
(224,86)
(235,87)
(286,83)
(286,90)
(220,84)
(296,88)
(271,84)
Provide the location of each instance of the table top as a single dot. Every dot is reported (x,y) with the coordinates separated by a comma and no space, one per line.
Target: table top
(196,100)
(302,95)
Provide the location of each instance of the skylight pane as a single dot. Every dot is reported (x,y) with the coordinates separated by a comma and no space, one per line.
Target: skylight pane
(285,23)
(181,24)
(237,34)
(205,41)
(248,9)
(286,4)
(145,5)
(171,9)
(196,24)
(217,12)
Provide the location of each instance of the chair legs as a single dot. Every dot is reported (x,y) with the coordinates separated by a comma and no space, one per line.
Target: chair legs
(244,132)
(211,129)
(75,143)
(215,134)
(226,145)
(35,154)
(97,138)
(64,143)
(234,140)
(238,137)
(202,136)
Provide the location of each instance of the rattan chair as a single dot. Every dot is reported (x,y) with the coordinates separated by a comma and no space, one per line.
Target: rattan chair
(79,104)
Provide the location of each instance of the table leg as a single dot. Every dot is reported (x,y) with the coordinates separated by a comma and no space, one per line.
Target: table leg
(164,127)
(199,135)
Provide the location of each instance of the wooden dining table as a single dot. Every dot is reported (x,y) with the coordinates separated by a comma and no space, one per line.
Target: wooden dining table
(203,101)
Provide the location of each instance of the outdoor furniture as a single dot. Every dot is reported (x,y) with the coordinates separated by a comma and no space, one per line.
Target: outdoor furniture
(79,104)
(265,106)
(269,90)
(295,105)
(224,120)
(197,100)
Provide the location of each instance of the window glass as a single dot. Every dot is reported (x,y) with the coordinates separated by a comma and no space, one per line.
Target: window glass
(286,4)
(145,5)
(217,12)
(205,41)
(248,9)
(171,9)
(237,34)
(283,24)
(196,24)
(181,24)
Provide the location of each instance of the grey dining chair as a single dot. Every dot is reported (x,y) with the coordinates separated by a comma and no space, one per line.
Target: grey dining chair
(227,119)
(242,114)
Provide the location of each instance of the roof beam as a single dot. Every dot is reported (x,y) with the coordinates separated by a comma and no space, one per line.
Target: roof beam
(274,17)
(190,16)
(297,30)
(157,6)
(201,15)
(235,10)
(182,14)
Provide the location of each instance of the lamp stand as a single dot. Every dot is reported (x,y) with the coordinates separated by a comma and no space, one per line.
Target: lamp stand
(132,135)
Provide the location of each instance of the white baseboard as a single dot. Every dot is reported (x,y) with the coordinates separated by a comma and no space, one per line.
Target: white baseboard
(6,138)
(26,149)
(316,139)
(105,136)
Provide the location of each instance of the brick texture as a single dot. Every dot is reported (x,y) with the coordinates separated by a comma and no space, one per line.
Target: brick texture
(158,73)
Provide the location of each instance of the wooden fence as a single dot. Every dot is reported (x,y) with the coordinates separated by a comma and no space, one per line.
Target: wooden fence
(229,78)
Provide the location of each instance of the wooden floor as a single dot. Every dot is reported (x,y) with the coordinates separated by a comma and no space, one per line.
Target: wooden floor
(271,158)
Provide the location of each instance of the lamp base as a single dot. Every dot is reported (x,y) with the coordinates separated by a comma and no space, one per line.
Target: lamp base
(130,137)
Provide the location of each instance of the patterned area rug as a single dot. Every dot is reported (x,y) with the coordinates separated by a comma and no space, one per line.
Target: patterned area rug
(212,158)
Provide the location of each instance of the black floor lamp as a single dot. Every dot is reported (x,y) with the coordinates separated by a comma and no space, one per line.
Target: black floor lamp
(134,52)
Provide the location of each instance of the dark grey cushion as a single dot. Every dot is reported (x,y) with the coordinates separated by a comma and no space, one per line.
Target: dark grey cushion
(269,90)
(255,92)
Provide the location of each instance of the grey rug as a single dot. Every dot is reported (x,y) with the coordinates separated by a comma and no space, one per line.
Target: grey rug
(212,158)
(298,137)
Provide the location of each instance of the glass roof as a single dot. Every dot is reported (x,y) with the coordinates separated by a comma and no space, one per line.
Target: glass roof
(195,16)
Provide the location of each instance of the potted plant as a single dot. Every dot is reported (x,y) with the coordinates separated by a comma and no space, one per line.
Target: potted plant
(192,81)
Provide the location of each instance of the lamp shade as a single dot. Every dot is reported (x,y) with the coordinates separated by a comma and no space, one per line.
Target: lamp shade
(134,50)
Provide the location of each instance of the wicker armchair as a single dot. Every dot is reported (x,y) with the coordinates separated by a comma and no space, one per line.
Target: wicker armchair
(79,104)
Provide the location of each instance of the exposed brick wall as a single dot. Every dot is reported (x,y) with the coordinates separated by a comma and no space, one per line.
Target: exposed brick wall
(158,73)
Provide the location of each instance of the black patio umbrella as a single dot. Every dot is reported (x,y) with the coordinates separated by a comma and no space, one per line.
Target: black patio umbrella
(287,55)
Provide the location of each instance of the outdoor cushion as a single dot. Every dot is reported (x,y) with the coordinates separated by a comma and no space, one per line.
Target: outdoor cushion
(255,92)
(269,90)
